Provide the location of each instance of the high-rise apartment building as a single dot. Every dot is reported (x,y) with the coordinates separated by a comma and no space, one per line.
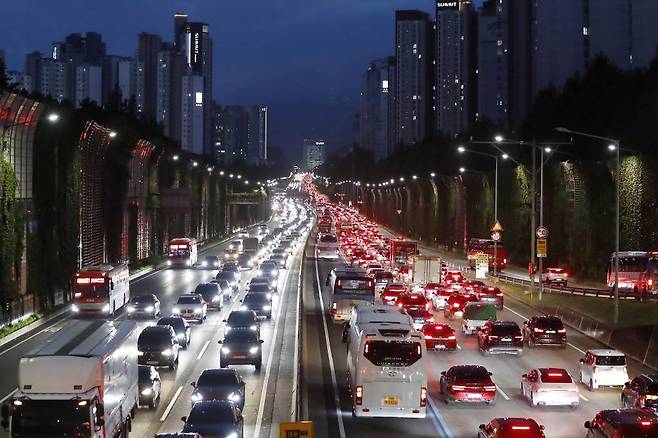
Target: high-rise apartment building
(373,124)
(242,133)
(493,79)
(171,68)
(54,79)
(455,66)
(88,84)
(131,81)
(192,115)
(414,84)
(314,150)
(149,47)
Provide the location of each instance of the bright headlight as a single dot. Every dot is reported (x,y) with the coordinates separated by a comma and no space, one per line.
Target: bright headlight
(188,263)
(149,309)
(204,264)
(140,353)
(147,391)
(244,308)
(180,336)
(175,310)
(198,310)
(131,309)
(106,308)
(253,350)
(197,397)
(74,308)
(232,435)
(250,263)
(226,350)
(234,397)
(253,328)
(275,273)
(267,307)
(168,262)
(215,298)
(269,296)
(166,352)
(259,272)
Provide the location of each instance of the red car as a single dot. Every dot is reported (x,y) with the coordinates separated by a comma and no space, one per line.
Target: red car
(419,316)
(412,301)
(511,428)
(455,305)
(455,279)
(467,383)
(492,294)
(473,286)
(439,337)
(391,293)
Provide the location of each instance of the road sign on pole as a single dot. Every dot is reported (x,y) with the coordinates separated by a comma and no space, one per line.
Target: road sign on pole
(496,236)
(497,227)
(296,430)
(542,247)
(481,265)
(541,232)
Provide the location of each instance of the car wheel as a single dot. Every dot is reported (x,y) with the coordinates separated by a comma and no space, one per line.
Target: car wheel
(173,364)
(223,364)
(492,402)
(532,400)
(152,403)
(590,385)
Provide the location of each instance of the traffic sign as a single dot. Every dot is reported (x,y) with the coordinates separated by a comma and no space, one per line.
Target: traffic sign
(541,232)
(496,236)
(296,430)
(542,247)
(481,265)
(497,227)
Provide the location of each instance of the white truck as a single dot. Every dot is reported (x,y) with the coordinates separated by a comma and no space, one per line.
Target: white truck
(82,382)
(426,269)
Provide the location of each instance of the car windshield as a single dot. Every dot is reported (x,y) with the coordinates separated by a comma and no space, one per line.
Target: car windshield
(241,337)
(240,318)
(214,413)
(259,288)
(189,300)
(206,288)
(142,299)
(176,323)
(472,372)
(58,417)
(392,353)
(611,360)
(154,337)
(555,376)
(217,379)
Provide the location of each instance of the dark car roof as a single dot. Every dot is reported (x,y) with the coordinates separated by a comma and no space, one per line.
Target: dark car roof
(241,336)
(174,321)
(216,376)
(242,315)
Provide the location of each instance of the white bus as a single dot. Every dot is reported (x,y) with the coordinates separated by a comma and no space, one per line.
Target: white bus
(328,246)
(101,288)
(349,287)
(386,363)
(182,252)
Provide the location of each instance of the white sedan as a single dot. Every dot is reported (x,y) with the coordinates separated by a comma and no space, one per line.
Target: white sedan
(549,387)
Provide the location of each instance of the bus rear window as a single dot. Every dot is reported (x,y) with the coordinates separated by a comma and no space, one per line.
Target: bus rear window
(353,283)
(396,353)
(611,360)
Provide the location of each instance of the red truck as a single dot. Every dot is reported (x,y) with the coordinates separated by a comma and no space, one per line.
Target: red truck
(486,246)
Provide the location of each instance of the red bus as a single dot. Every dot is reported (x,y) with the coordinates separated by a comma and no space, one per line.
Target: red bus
(101,288)
(182,252)
(486,246)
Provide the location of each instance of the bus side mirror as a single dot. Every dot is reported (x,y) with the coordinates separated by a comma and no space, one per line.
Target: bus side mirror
(111,285)
(588,425)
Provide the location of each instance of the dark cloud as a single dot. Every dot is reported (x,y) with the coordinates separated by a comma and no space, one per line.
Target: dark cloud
(303,58)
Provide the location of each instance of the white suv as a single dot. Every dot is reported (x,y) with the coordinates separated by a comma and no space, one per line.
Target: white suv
(603,367)
(555,276)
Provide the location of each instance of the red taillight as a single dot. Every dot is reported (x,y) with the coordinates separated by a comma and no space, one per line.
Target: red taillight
(650,282)
(452,337)
(359,395)
(427,307)
(78,294)
(367,348)
(520,427)
(538,330)
(500,294)
(334,307)
(428,337)
(518,337)
(562,331)
(490,388)
(423,396)
(338,283)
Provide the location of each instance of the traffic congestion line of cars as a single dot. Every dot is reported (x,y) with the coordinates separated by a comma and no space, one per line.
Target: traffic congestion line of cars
(424,298)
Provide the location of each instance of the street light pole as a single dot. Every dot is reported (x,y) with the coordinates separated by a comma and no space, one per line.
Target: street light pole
(616,145)
(496,217)
(541,218)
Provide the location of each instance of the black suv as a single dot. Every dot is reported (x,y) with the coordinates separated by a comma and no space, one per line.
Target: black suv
(623,423)
(212,294)
(641,392)
(214,418)
(242,320)
(241,347)
(180,326)
(259,303)
(157,346)
(545,330)
(219,384)
(500,337)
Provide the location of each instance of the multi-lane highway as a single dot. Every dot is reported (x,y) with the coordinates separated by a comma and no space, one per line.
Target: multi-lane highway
(268,392)
(324,365)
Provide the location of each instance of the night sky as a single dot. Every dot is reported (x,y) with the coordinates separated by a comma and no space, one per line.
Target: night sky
(302,58)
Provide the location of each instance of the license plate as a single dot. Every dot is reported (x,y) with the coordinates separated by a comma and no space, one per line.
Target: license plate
(239,356)
(391,401)
(473,395)
(550,332)
(152,362)
(506,339)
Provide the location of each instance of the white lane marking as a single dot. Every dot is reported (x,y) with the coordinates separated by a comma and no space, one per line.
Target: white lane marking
(6,397)
(505,396)
(583,397)
(339,413)
(268,369)
(171,404)
(295,362)
(203,350)
(526,318)
(442,426)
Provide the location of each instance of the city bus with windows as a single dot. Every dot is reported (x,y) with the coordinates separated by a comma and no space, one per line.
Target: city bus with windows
(101,289)
(386,366)
(637,272)
(182,252)
(328,247)
(349,286)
